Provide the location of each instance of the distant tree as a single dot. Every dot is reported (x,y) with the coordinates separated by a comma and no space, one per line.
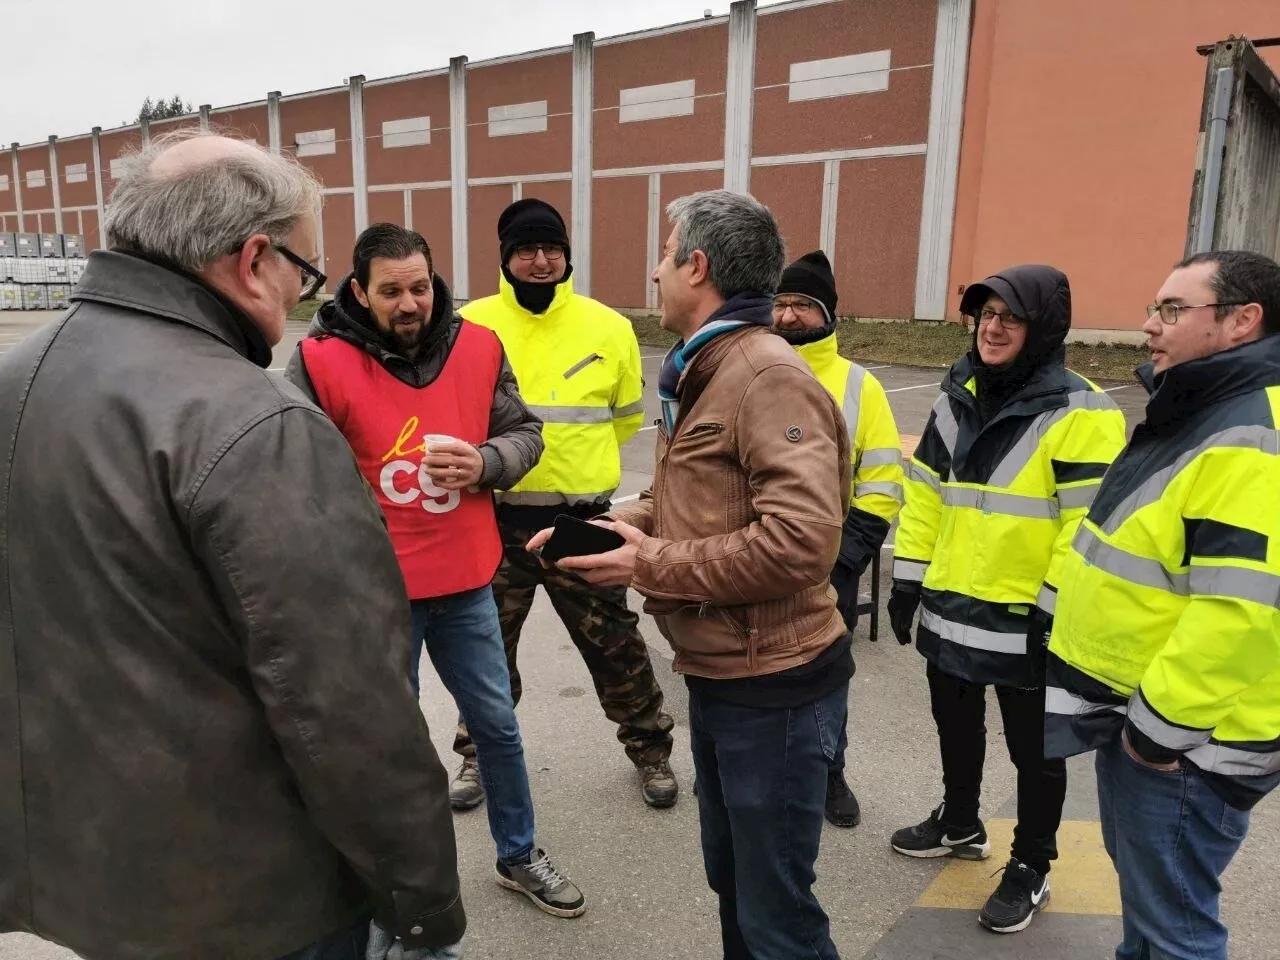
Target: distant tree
(162,109)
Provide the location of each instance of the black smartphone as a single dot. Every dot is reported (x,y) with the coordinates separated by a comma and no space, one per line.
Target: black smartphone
(578,538)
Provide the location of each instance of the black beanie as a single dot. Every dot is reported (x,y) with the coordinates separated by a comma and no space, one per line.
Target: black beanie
(530,221)
(811,276)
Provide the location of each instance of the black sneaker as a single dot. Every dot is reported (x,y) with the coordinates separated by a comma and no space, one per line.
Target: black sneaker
(550,890)
(1021,895)
(934,839)
(842,808)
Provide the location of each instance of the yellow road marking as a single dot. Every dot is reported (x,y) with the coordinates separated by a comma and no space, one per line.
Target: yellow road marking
(1082,880)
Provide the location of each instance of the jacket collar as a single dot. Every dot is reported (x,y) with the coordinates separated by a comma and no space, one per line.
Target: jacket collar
(1189,387)
(1045,389)
(564,293)
(135,282)
(742,311)
(820,354)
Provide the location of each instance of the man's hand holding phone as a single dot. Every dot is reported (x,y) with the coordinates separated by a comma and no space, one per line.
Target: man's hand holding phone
(604,561)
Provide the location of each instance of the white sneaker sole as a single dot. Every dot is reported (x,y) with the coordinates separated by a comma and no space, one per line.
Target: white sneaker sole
(541,904)
(1017,927)
(964,851)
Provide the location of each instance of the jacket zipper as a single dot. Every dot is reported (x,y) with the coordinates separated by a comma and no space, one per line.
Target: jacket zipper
(582,365)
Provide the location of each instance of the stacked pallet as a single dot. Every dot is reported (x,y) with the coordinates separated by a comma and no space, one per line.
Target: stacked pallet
(37,271)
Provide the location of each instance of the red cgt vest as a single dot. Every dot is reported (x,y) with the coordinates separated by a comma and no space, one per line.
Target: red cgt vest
(446,540)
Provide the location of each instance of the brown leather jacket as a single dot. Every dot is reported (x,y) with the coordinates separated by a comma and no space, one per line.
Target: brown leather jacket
(745,511)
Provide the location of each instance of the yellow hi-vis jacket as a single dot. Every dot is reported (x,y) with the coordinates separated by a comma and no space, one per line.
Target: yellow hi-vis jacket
(875,446)
(990,513)
(1168,614)
(578,367)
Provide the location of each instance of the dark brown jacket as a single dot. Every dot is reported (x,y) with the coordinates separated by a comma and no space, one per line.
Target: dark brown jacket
(745,512)
(208,744)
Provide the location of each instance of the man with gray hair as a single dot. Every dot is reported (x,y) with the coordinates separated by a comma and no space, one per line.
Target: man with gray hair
(732,547)
(205,750)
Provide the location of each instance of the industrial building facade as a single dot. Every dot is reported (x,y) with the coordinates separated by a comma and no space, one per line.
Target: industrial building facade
(821,108)
(846,117)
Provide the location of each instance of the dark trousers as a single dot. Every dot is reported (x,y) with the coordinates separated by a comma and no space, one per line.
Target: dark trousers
(959,710)
(604,630)
(346,944)
(762,784)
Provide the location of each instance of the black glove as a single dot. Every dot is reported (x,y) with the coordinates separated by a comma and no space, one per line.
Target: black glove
(1038,630)
(845,581)
(903,600)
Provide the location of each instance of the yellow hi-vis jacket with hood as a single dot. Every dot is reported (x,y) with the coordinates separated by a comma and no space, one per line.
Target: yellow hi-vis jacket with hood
(998,486)
(1168,613)
(578,366)
(875,454)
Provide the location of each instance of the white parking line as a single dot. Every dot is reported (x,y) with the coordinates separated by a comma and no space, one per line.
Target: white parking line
(1123,386)
(879,366)
(652,356)
(917,386)
(627,499)
(650,427)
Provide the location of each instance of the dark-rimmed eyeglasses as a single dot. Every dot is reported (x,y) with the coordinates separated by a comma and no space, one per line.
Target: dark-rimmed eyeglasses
(529,251)
(799,307)
(312,279)
(1006,318)
(1169,312)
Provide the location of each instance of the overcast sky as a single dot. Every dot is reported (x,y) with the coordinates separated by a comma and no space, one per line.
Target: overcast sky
(71,65)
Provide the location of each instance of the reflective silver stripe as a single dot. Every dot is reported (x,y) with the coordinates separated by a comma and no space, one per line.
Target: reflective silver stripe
(1238,583)
(1127,566)
(1247,438)
(1066,703)
(534,498)
(1048,599)
(967,636)
(630,410)
(1070,498)
(1167,734)
(1008,504)
(852,401)
(911,570)
(923,475)
(881,457)
(572,414)
(888,488)
(1234,762)
(1021,453)
(944,421)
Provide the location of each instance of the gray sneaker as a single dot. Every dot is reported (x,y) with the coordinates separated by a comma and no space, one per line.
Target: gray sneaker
(658,784)
(549,889)
(466,792)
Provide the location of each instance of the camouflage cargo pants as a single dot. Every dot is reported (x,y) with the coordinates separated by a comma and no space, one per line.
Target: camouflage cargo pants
(605,632)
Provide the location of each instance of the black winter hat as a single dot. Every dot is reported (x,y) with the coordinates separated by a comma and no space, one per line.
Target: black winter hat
(811,276)
(530,221)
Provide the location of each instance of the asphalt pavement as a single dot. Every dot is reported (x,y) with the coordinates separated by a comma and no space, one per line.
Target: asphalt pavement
(641,869)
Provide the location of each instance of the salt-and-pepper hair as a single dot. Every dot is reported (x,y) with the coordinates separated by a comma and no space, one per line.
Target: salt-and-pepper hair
(739,235)
(197,213)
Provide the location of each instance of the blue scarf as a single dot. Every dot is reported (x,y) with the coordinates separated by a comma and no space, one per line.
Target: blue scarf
(740,310)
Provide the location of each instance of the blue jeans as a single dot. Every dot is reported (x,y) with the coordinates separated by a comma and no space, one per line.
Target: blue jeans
(346,944)
(1170,838)
(464,640)
(762,786)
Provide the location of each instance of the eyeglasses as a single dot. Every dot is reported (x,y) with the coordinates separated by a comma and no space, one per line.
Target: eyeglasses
(1007,319)
(528,251)
(800,308)
(312,279)
(1169,312)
